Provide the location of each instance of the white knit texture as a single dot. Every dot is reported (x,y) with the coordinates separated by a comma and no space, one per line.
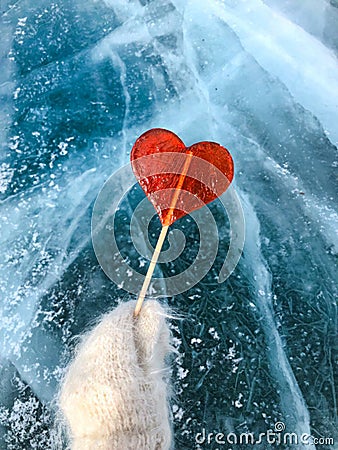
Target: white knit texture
(114,396)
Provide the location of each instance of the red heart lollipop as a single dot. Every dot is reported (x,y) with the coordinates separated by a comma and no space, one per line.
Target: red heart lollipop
(159,158)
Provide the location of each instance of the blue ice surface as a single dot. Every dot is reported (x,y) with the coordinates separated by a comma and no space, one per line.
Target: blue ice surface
(79,82)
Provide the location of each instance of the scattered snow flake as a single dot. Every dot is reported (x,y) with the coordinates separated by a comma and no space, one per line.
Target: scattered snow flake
(176,342)
(22,21)
(6,175)
(232,352)
(16,93)
(178,412)
(214,333)
(238,403)
(63,148)
(192,297)
(182,373)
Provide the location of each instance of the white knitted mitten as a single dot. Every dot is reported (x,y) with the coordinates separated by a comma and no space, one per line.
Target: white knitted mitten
(113,394)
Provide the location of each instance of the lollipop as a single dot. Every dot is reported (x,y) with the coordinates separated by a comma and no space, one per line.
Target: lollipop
(177,180)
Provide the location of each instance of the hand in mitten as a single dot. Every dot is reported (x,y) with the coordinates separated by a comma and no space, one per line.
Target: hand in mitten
(114,395)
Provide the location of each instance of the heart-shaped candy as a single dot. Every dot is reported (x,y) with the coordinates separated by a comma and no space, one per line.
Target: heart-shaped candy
(158,159)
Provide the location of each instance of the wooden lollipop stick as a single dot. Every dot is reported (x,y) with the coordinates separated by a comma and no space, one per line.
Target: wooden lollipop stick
(162,236)
(150,270)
